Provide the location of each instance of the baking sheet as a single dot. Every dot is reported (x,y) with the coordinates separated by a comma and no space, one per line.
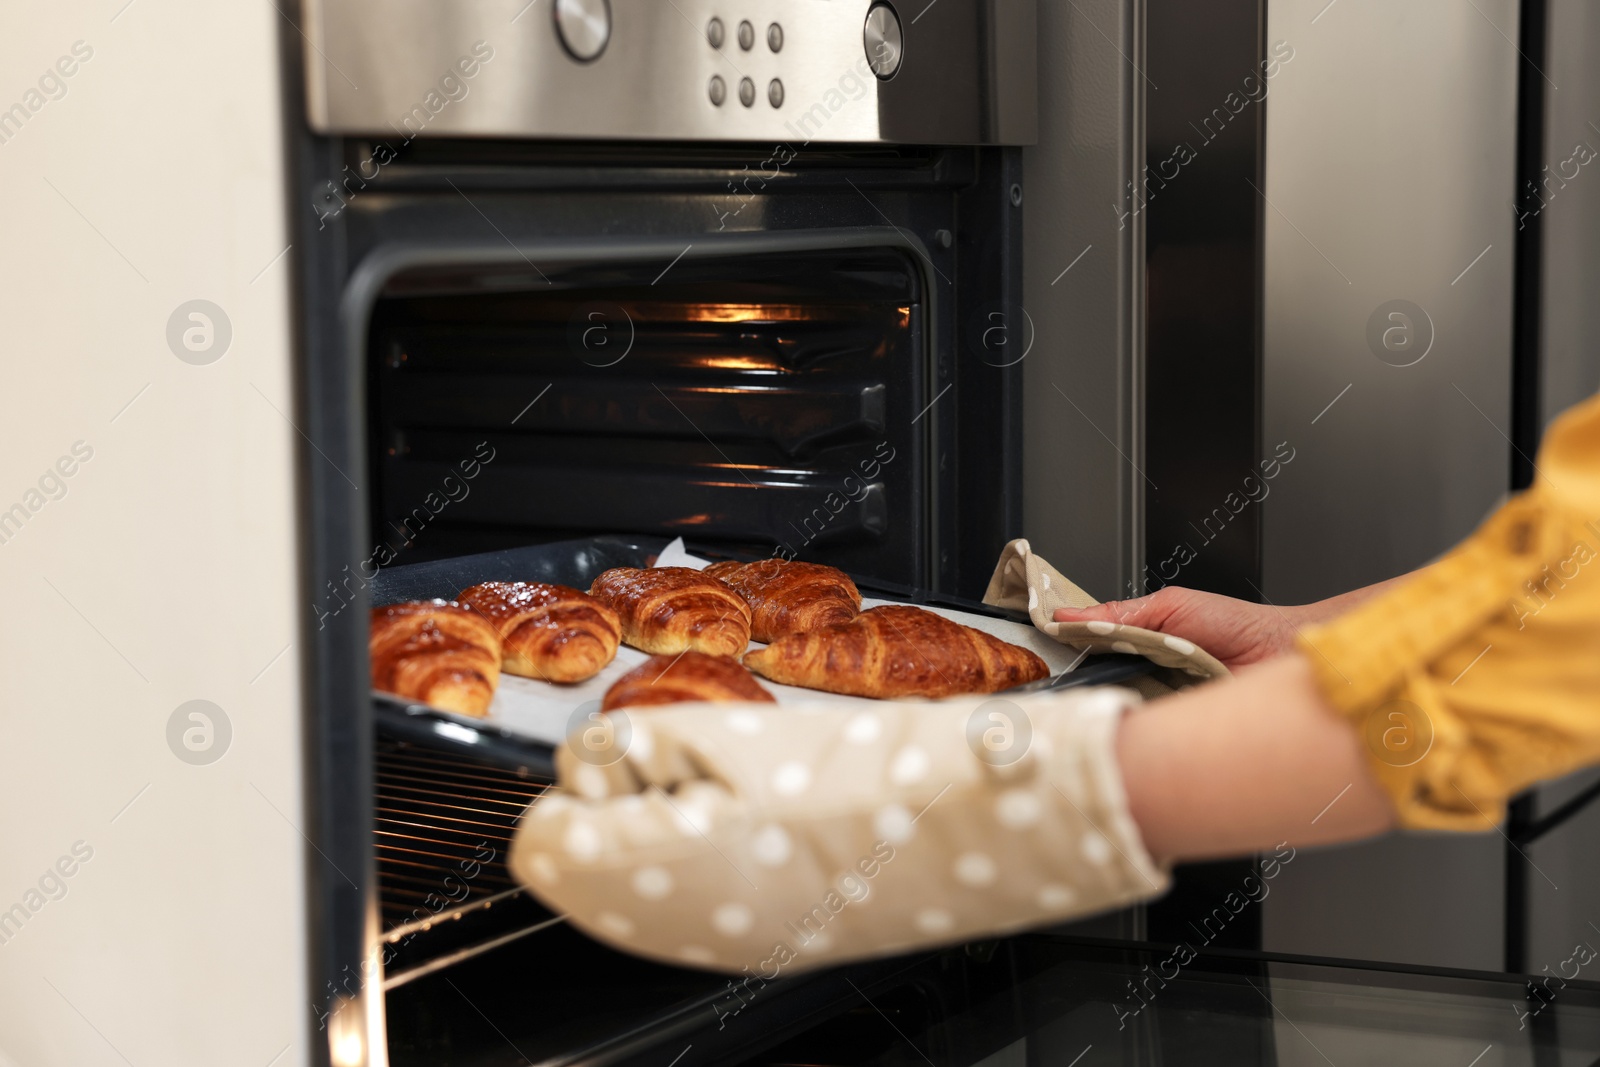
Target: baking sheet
(546,712)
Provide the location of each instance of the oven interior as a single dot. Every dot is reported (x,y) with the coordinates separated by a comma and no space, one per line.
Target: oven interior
(753,403)
(761,404)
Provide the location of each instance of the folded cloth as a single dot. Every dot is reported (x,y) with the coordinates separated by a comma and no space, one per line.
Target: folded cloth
(1024,582)
(743,837)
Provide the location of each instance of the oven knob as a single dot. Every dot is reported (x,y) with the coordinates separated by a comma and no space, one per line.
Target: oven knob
(714,33)
(584,27)
(775,37)
(747,36)
(883,41)
(747,92)
(719,90)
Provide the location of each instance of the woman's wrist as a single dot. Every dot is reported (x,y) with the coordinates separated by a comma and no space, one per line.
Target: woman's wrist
(1321,611)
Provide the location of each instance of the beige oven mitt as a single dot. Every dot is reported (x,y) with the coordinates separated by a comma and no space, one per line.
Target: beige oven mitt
(770,839)
(1024,582)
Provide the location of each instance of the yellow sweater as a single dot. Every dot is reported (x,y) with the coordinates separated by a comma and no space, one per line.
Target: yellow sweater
(1481,675)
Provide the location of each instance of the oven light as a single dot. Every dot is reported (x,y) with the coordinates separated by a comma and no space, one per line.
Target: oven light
(744,363)
(746,313)
(346,1048)
(456,733)
(742,467)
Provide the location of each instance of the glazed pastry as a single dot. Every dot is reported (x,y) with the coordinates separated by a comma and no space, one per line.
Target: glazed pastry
(788,597)
(895,651)
(666,610)
(548,632)
(437,652)
(688,676)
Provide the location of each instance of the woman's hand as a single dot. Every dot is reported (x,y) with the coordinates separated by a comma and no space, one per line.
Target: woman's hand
(1237,632)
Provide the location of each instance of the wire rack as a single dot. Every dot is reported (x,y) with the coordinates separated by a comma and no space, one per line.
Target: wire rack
(442,832)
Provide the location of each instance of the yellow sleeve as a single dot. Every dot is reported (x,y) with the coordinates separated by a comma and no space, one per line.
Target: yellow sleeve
(1481,675)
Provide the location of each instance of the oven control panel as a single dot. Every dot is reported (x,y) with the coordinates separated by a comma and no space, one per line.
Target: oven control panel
(844,71)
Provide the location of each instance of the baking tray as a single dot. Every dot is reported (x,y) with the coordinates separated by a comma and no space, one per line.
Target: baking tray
(529,718)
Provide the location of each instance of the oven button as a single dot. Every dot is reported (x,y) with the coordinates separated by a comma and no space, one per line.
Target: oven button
(584,27)
(775,93)
(883,41)
(747,92)
(775,37)
(714,33)
(719,90)
(747,36)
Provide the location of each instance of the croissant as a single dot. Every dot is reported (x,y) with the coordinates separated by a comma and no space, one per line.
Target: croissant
(669,609)
(435,651)
(787,597)
(548,631)
(896,651)
(687,676)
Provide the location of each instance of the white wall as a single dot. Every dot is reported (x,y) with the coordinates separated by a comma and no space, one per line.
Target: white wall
(166,573)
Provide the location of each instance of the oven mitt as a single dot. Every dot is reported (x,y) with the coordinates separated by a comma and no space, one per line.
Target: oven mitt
(1024,582)
(744,837)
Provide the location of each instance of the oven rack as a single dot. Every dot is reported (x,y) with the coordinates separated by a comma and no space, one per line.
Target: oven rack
(442,829)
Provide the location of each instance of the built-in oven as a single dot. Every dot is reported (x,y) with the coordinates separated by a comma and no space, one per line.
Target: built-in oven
(577,277)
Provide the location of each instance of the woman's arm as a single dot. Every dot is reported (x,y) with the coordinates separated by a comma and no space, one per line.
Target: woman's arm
(1244,764)
(1334,606)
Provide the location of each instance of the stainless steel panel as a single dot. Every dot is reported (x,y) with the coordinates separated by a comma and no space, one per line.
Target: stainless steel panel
(1564,880)
(1082,261)
(648,69)
(1390,166)
(1564,884)
(1571,314)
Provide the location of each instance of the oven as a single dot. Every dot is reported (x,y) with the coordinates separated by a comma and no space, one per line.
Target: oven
(576,278)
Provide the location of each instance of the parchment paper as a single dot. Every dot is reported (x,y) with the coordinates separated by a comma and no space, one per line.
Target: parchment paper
(544,711)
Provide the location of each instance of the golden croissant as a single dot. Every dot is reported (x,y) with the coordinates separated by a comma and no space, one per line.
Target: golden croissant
(435,651)
(686,676)
(548,632)
(788,597)
(669,609)
(896,651)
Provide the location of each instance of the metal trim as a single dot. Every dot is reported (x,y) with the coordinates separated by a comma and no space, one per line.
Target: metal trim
(1527,425)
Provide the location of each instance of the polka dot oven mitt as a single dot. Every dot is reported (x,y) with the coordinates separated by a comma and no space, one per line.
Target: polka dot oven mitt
(765,840)
(1024,582)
